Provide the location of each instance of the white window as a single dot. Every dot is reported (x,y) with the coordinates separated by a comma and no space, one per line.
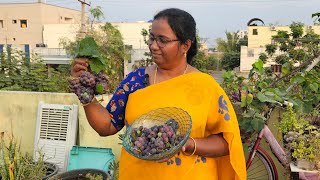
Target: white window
(250,53)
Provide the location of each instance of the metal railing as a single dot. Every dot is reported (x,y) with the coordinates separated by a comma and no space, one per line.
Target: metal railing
(50,52)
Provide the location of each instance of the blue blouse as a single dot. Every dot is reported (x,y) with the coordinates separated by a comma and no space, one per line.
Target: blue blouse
(117,104)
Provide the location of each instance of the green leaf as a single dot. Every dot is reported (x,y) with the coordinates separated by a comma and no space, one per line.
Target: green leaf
(245,148)
(243,100)
(314,87)
(285,70)
(262,85)
(269,93)
(278,98)
(257,124)
(87,47)
(298,79)
(307,106)
(258,65)
(264,98)
(246,125)
(258,115)
(249,114)
(227,75)
(249,98)
(280,92)
(99,88)
(96,66)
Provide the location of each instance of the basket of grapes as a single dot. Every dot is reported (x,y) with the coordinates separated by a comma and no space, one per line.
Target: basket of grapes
(158,134)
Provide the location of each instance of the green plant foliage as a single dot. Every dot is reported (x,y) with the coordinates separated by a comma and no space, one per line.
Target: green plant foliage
(16,165)
(114,169)
(88,48)
(296,29)
(231,49)
(271,48)
(316,17)
(18,74)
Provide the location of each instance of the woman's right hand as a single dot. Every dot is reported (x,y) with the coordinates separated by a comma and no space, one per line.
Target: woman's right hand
(79,65)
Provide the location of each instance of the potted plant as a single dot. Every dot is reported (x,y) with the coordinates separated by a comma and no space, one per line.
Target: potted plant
(304,155)
(85,174)
(16,165)
(301,138)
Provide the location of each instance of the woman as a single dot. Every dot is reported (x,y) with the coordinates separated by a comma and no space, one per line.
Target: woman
(214,149)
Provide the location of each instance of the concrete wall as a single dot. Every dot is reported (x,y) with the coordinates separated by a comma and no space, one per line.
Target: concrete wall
(18,114)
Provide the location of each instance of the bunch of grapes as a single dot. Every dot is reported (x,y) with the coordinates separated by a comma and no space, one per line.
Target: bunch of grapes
(157,139)
(88,85)
(102,80)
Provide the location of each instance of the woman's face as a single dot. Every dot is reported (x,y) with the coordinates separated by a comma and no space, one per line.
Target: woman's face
(164,45)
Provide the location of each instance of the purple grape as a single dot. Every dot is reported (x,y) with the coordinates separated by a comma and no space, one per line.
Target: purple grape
(236,96)
(85,94)
(74,84)
(87,79)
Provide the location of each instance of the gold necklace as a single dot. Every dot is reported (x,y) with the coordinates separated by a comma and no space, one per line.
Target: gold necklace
(156,71)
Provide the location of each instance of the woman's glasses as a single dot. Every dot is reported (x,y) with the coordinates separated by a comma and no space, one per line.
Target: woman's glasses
(161,41)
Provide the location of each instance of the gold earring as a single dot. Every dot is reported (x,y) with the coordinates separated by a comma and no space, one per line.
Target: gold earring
(185,54)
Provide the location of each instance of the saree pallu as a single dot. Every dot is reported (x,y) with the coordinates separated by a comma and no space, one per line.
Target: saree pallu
(211,113)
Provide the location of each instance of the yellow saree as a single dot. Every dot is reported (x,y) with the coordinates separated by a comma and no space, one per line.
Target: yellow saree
(211,113)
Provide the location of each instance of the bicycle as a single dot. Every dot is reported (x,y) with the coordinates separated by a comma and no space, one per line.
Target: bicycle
(260,165)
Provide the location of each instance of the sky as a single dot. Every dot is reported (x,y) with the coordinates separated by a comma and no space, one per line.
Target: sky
(213,17)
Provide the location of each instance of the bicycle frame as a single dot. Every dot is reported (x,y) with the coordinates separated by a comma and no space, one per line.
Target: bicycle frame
(274,145)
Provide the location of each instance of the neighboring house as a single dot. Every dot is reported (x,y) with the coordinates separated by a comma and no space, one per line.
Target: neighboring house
(39,27)
(258,38)
(21,24)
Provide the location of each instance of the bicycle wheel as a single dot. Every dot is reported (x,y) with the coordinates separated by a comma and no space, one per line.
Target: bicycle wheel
(262,167)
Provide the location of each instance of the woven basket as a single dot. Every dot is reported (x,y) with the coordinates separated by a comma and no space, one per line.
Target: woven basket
(159,117)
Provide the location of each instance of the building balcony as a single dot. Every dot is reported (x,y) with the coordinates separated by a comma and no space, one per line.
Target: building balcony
(53,55)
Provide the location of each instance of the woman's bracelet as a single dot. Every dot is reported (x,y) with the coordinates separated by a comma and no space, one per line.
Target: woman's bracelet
(194,150)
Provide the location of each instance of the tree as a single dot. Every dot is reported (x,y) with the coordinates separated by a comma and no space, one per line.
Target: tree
(317,18)
(255,96)
(231,50)
(295,46)
(96,14)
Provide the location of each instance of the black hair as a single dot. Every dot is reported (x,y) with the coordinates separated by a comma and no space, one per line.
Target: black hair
(183,25)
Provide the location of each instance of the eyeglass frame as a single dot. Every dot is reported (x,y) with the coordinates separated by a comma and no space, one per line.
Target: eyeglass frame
(151,39)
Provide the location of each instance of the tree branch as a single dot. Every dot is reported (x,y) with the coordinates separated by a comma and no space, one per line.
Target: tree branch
(297,69)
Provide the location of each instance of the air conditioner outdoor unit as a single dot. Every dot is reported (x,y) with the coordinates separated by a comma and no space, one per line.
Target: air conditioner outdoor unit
(56,132)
